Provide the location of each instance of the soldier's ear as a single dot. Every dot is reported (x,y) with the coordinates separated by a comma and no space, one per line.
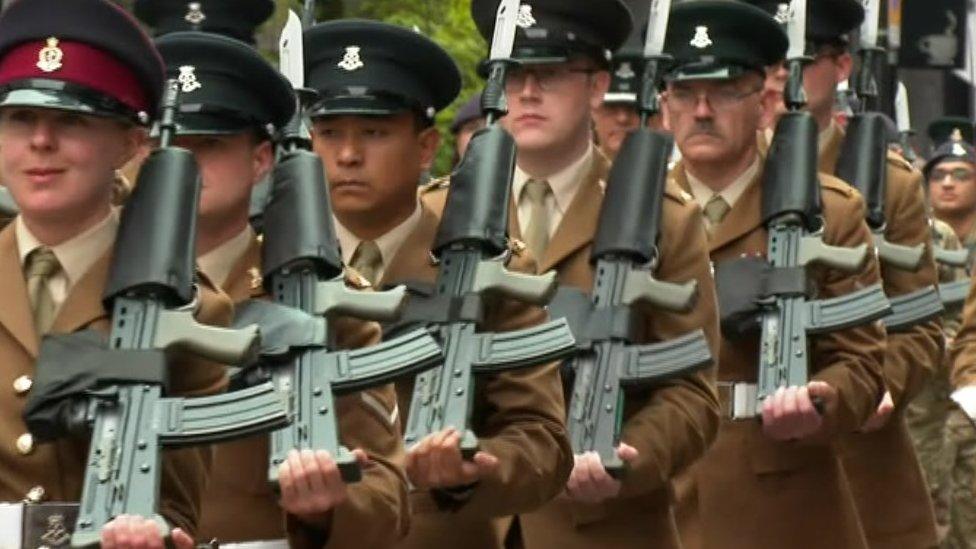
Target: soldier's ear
(263,160)
(136,141)
(430,141)
(843,65)
(769,107)
(600,83)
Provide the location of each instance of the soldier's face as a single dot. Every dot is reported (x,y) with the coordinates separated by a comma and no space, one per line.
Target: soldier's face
(612,124)
(230,166)
(373,163)
(550,105)
(715,121)
(820,80)
(952,188)
(59,166)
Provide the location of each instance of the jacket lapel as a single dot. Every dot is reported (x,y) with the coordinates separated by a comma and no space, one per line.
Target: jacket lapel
(15,313)
(579,224)
(84,302)
(240,282)
(412,261)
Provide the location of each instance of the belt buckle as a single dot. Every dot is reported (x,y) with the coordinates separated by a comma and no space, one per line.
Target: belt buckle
(739,400)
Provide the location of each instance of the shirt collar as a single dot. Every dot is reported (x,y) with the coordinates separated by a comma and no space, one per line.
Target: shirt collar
(563,183)
(76,255)
(730,194)
(220,261)
(388,244)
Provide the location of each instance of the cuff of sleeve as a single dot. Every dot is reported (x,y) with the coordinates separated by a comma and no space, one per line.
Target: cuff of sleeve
(966,399)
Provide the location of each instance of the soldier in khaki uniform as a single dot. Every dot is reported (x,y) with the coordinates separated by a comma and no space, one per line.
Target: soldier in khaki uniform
(775,482)
(665,427)
(953,195)
(229,131)
(380,87)
(78,81)
(885,475)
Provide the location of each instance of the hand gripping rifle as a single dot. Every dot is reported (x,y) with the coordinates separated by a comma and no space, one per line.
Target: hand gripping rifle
(116,390)
(303,273)
(609,322)
(471,249)
(792,212)
(863,164)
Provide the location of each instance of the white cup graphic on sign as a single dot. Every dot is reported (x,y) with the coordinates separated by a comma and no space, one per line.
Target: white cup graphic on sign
(941,48)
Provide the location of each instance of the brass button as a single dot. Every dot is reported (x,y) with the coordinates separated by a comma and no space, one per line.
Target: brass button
(36,494)
(23,384)
(25,443)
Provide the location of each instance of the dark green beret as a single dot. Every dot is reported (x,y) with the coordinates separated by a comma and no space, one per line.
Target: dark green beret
(942,130)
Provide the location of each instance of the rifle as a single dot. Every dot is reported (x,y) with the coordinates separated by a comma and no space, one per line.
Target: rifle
(608,323)
(303,273)
(792,212)
(863,164)
(471,250)
(152,296)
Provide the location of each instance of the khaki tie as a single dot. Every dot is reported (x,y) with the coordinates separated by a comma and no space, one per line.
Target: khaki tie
(715,211)
(367,260)
(537,233)
(41,265)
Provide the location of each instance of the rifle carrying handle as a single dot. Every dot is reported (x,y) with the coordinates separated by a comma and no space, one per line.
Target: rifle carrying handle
(335,298)
(492,276)
(179,330)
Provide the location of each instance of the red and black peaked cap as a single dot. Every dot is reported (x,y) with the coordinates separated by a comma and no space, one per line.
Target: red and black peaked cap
(87,56)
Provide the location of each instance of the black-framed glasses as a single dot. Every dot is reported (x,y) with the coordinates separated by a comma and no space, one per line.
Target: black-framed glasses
(958,175)
(719,99)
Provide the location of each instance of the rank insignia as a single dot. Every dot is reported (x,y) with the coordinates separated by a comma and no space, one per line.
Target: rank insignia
(50,58)
(525,18)
(351,61)
(701,39)
(188,79)
(783,13)
(194,14)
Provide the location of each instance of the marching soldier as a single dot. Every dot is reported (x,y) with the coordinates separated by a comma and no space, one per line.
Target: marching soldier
(78,81)
(467,121)
(772,479)
(380,88)
(563,73)
(617,116)
(951,176)
(237,19)
(881,463)
(951,466)
(229,124)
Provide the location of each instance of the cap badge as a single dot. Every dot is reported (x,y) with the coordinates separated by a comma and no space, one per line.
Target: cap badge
(956,135)
(525,19)
(701,39)
(784,13)
(625,71)
(958,150)
(194,14)
(351,60)
(50,57)
(188,79)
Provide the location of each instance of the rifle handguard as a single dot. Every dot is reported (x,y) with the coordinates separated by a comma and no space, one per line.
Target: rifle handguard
(905,258)
(333,297)
(813,251)
(642,288)
(492,276)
